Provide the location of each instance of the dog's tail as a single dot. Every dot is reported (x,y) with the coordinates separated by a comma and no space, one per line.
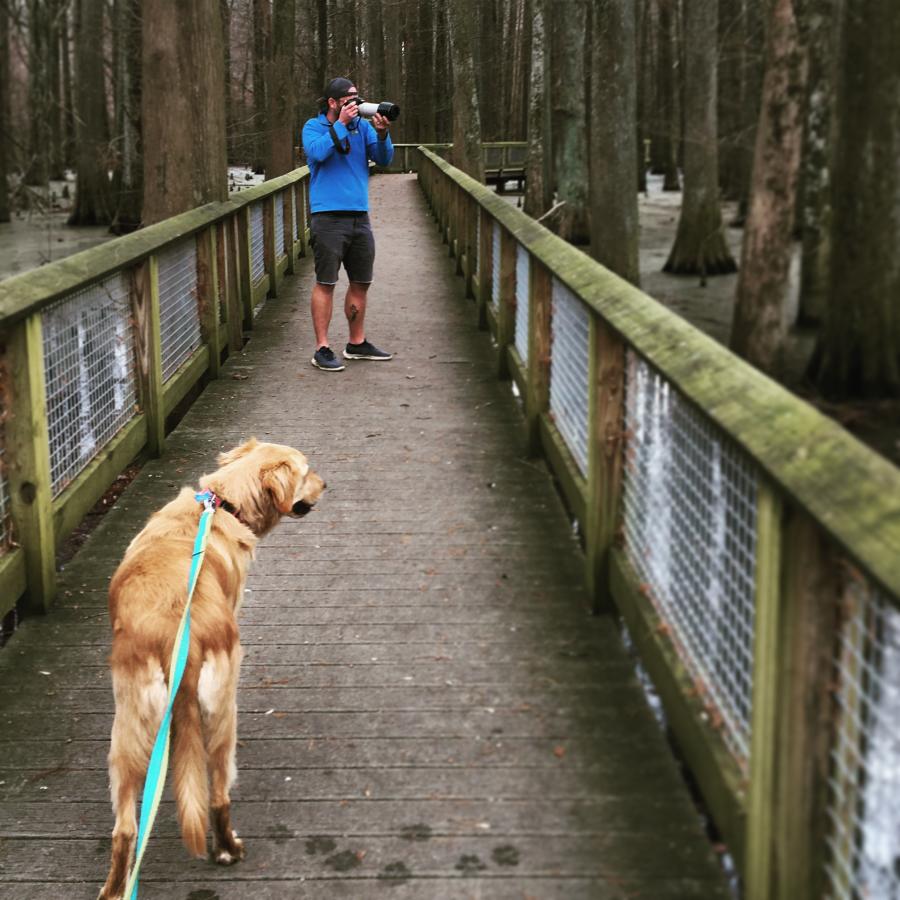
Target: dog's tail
(190,780)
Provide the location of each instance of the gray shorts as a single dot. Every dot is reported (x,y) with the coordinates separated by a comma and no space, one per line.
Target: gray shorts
(342,237)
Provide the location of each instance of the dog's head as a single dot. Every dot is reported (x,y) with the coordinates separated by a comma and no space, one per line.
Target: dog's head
(265,482)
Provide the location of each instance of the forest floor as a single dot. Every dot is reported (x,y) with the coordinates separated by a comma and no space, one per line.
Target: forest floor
(34,239)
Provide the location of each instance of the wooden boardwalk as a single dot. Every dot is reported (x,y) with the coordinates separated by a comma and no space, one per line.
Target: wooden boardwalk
(427,710)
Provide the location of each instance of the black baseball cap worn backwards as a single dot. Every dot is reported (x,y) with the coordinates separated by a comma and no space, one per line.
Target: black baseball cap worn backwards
(338,88)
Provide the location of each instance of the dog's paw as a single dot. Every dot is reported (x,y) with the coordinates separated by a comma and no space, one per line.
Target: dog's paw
(231,852)
(106,895)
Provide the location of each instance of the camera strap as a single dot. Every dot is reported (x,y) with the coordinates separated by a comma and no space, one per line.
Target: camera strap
(340,147)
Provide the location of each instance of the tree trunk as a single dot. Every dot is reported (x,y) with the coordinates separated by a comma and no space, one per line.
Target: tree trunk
(130,176)
(262,50)
(93,192)
(571,164)
(538,179)
(183,106)
(466,121)
(323,75)
(393,77)
(280,92)
(375,47)
(55,22)
(700,247)
(5,129)
(758,327)
(731,119)
(230,143)
(752,50)
(68,96)
(816,161)
(614,205)
(859,350)
(666,138)
(644,69)
(443,76)
(424,68)
(37,169)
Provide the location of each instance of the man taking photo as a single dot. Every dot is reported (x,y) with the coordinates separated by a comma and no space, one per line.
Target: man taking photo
(339,144)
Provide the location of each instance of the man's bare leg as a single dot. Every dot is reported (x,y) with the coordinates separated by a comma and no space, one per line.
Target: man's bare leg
(322,305)
(355,310)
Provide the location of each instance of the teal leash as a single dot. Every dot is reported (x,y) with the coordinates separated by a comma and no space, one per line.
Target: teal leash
(159,757)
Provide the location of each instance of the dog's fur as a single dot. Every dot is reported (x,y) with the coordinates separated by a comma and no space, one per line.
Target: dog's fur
(147,595)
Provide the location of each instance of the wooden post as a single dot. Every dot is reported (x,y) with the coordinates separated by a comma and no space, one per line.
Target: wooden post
(208,296)
(145,299)
(288,198)
(485,267)
(269,243)
(246,272)
(473,210)
(606,445)
(796,614)
(302,207)
(506,308)
(540,306)
(28,451)
(228,266)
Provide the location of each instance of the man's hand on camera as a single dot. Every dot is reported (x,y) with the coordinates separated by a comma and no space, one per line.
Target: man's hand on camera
(381,123)
(348,113)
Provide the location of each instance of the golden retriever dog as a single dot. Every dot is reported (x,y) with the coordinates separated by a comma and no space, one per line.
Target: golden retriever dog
(256,485)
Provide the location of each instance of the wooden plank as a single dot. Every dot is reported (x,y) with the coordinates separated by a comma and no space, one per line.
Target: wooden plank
(606,444)
(186,376)
(79,497)
(148,348)
(506,308)
(540,305)
(12,579)
(208,296)
(563,465)
(245,276)
(27,460)
(269,244)
(717,775)
(789,776)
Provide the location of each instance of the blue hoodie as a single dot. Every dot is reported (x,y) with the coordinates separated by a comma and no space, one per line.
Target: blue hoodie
(340,181)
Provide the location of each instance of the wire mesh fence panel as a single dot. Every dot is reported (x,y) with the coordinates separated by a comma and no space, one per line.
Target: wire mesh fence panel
(569,355)
(257,243)
(279,226)
(88,342)
(516,156)
(864,782)
(179,313)
(690,531)
(495,265)
(523,274)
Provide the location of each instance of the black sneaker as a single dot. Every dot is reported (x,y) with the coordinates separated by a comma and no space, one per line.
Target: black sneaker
(325,360)
(365,350)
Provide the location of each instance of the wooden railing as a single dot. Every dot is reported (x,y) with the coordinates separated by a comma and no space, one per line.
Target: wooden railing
(750,545)
(98,349)
(503,160)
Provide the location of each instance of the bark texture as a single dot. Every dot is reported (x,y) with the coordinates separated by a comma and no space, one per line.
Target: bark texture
(280,81)
(183,106)
(758,328)
(129,180)
(665,138)
(466,119)
(700,247)
(538,179)
(614,206)
(859,352)
(570,159)
(93,192)
(5,136)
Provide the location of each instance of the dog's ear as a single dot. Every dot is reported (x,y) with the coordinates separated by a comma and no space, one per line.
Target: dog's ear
(229,456)
(278,479)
